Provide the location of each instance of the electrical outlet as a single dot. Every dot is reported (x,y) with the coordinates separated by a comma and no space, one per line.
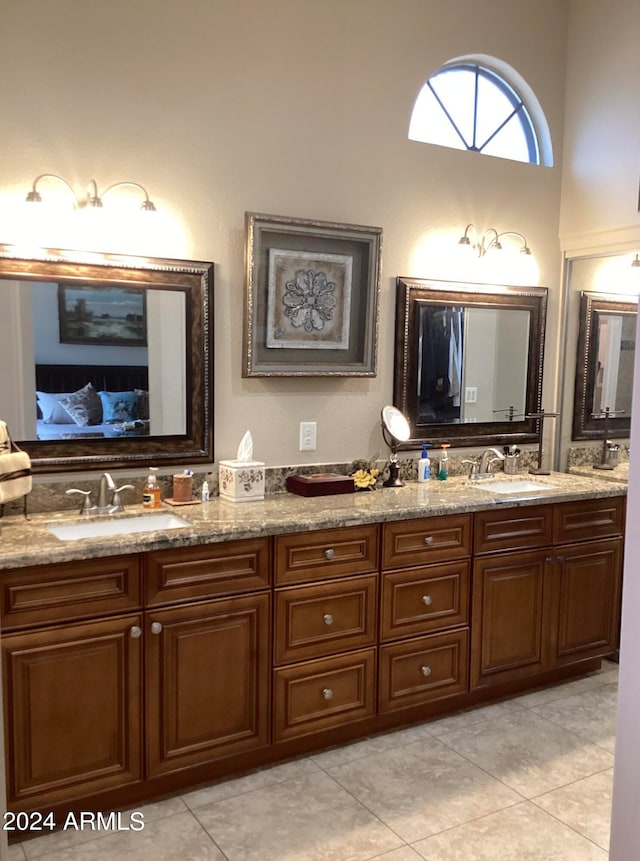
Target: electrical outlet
(308,432)
(471,395)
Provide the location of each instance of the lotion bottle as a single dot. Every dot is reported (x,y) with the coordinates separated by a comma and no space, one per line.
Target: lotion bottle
(151,492)
(424,464)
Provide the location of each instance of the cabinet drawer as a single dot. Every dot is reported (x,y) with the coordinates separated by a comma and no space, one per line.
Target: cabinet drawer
(321,695)
(513,528)
(188,573)
(46,594)
(429,539)
(587,519)
(327,553)
(418,671)
(420,600)
(313,621)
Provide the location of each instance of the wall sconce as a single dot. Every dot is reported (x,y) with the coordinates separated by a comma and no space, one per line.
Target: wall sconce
(93,199)
(489,240)
(635,263)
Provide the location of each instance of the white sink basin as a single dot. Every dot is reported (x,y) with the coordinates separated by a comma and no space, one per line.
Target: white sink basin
(510,487)
(117,526)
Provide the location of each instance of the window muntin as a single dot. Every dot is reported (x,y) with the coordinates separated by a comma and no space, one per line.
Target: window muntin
(469,106)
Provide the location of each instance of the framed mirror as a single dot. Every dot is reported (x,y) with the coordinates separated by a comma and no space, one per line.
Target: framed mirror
(107,359)
(604,368)
(468,361)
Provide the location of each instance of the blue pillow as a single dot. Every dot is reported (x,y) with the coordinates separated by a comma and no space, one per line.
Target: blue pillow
(119,406)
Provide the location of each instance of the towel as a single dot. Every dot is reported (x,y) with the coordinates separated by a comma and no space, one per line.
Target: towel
(15,468)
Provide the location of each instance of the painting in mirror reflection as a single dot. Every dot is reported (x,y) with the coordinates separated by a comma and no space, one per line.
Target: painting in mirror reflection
(76,391)
(472,364)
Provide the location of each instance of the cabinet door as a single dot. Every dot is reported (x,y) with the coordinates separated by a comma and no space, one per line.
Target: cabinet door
(587,600)
(510,617)
(207,677)
(73,711)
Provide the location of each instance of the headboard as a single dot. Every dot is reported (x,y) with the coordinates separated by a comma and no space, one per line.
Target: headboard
(106,378)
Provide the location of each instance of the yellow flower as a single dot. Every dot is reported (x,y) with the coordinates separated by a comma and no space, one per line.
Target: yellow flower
(365,478)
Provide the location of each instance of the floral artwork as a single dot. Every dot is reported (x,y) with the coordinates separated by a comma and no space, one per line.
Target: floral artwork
(309,300)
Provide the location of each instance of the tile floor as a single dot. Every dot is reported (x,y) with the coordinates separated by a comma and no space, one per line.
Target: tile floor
(527,779)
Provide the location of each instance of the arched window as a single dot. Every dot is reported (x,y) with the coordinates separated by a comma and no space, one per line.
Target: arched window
(470,105)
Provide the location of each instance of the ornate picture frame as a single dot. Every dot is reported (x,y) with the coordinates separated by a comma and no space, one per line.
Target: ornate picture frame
(311,297)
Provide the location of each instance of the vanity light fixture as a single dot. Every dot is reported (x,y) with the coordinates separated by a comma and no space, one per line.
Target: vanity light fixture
(489,240)
(93,199)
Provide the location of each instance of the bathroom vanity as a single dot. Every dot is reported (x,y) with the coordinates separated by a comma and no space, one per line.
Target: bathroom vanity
(137,665)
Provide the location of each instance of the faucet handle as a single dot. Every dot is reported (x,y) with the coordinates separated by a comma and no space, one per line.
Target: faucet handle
(86,506)
(116,502)
(475,466)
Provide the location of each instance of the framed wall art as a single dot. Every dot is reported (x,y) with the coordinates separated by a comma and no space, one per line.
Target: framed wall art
(311,297)
(111,316)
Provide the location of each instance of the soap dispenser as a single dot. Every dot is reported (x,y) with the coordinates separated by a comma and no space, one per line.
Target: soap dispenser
(424,464)
(151,492)
(443,471)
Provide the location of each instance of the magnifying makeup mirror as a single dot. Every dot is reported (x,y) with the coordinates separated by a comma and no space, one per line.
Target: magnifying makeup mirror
(395,429)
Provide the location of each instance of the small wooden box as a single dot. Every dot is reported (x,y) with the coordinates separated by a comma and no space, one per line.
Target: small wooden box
(320,484)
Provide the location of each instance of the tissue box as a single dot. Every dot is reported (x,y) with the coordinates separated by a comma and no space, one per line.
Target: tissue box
(241,482)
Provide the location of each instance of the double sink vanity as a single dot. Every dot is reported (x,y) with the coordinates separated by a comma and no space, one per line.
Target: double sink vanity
(139,661)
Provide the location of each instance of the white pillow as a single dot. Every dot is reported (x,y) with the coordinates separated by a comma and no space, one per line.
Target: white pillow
(53,413)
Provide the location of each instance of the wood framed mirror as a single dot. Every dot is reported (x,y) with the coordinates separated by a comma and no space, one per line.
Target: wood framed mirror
(468,361)
(107,359)
(604,367)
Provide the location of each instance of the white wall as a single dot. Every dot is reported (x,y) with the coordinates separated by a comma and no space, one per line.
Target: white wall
(601,166)
(293,107)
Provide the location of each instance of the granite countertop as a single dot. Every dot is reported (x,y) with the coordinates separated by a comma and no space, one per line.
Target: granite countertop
(25,543)
(620,473)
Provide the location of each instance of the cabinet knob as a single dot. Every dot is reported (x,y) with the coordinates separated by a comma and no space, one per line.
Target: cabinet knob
(429,540)
(329,553)
(426,671)
(548,560)
(327,693)
(328,619)
(426,599)
(156,627)
(136,631)
(560,559)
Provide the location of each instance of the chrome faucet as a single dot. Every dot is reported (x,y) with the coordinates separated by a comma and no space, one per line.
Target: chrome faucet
(489,457)
(483,468)
(104,506)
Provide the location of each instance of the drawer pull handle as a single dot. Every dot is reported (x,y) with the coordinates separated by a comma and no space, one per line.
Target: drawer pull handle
(426,671)
(429,540)
(156,627)
(330,553)
(328,619)
(136,631)
(426,599)
(327,693)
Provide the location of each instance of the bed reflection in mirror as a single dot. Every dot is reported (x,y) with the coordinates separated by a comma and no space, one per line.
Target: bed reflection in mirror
(107,358)
(104,386)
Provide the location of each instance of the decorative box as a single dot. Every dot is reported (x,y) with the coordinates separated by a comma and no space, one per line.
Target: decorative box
(320,484)
(241,482)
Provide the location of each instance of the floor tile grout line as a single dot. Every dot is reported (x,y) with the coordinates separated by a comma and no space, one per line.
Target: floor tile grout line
(567,825)
(211,837)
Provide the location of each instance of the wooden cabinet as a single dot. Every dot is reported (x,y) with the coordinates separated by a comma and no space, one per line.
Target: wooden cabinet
(551,606)
(73,716)
(129,676)
(96,705)
(326,608)
(425,591)
(207,681)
